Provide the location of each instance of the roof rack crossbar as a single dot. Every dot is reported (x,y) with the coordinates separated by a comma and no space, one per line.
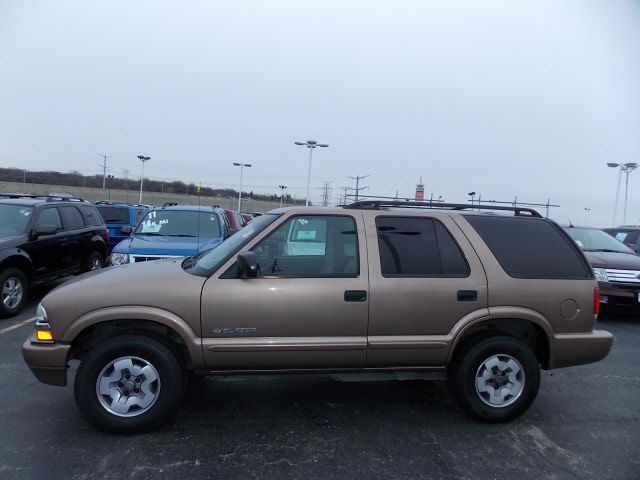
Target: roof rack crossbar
(378,204)
(48,198)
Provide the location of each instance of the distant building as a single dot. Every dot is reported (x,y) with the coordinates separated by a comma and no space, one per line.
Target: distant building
(420,191)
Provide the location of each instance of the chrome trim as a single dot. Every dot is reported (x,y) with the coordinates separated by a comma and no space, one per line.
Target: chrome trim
(623,276)
(145,258)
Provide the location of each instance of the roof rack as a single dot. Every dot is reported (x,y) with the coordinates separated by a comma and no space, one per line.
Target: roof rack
(48,198)
(379,204)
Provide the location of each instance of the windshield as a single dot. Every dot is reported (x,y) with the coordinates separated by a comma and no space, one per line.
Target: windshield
(594,240)
(216,257)
(179,223)
(14,218)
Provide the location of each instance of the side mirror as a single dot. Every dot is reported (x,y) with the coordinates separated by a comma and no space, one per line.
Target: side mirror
(45,230)
(248,264)
(126,230)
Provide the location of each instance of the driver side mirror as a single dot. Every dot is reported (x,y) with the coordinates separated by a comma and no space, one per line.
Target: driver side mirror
(44,230)
(248,264)
(126,230)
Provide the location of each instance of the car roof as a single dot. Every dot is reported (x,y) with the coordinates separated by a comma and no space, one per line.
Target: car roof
(34,201)
(190,208)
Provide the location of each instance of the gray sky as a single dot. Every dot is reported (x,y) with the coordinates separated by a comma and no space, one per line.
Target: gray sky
(528,98)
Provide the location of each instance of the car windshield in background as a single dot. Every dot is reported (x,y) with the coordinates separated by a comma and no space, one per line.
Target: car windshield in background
(594,240)
(14,219)
(114,214)
(179,223)
(216,257)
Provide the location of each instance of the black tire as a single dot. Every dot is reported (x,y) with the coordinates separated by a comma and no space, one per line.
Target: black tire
(518,396)
(169,389)
(11,278)
(95,261)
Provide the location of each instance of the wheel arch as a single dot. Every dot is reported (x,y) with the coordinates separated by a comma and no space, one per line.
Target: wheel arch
(154,322)
(19,259)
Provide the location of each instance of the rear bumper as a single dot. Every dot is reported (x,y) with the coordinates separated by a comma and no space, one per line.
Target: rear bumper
(47,361)
(579,348)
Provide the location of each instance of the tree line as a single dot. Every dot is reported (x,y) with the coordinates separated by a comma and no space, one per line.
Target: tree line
(77,179)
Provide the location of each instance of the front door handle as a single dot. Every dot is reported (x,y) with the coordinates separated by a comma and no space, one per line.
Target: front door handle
(355,296)
(467,295)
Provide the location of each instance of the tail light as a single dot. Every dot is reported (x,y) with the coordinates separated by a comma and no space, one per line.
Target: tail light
(105,235)
(596,301)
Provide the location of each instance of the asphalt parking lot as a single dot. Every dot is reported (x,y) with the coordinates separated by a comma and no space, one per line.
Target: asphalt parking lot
(584,424)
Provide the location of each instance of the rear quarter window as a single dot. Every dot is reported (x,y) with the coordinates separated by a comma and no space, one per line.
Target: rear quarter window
(531,247)
(92,216)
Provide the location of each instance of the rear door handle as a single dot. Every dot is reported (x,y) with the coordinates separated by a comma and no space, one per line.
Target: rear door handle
(467,295)
(355,296)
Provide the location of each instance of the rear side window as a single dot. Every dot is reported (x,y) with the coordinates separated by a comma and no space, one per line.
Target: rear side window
(531,247)
(118,215)
(91,215)
(418,247)
(71,218)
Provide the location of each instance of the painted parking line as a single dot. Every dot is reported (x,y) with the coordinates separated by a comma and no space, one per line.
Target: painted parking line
(18,325)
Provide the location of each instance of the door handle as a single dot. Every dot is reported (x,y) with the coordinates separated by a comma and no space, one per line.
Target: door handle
(467,295)
(355,296)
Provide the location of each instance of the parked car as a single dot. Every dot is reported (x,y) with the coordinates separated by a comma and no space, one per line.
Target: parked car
(616,266)
(247,217)
(121,219)
(367,287)
(236,222)
(43,239)
(175,231)
(628,234)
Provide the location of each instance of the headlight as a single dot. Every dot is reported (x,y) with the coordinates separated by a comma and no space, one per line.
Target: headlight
(41,314)
(601,274)
(119,258)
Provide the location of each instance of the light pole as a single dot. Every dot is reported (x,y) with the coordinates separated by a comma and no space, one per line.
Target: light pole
(626,168)
(143,159)
(473,196)
(586,210)
(109,179)
(310,144)
(282,189)
(241,165)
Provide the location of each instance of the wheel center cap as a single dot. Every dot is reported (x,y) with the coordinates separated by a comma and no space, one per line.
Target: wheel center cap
(128,386)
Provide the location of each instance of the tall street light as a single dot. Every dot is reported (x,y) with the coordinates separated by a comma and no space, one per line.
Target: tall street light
(282,189)
(310,144)
(626,168)
(143,159)
(241,165)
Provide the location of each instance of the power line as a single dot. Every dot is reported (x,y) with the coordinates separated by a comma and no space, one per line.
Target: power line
(357,178)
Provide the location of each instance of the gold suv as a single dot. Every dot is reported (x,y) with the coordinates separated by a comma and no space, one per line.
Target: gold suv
(487,295)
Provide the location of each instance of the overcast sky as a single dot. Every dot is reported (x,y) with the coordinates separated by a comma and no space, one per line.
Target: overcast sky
(506,98)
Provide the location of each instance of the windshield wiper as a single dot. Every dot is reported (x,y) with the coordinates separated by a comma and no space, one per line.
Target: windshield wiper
(606,250)
(191,261)
(151,234)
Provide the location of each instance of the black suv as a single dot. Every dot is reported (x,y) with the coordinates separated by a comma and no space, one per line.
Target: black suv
(43,238)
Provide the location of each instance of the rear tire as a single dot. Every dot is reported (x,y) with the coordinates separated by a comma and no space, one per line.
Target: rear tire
(496,379)
(14,288)
(130,384)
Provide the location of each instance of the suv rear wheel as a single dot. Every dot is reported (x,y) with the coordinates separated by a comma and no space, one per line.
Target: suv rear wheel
(495,380)
(129,384)
(14,288)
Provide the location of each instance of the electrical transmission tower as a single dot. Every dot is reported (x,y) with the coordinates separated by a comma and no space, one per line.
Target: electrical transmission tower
(326,193)
(104,169)
(357,178)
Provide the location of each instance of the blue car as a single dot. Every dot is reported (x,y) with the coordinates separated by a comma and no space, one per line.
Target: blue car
(121,219)
(174,231)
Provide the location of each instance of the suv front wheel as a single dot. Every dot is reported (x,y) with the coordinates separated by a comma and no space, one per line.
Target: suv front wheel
(496,379)
(129,384)
(14,288)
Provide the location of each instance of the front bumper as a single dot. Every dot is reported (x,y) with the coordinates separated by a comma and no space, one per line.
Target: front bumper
(579,348)
(619,293)
(47,361)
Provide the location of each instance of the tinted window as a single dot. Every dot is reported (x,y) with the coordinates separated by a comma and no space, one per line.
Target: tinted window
(112,214)
(71,218)
(311,246)
(49,217)
(179,223)
(91,215)
(530,247)
(418,247)
(594,240)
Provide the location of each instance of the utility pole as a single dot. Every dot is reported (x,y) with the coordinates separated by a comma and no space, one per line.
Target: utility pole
(326,193)
(104,169)
(357,178)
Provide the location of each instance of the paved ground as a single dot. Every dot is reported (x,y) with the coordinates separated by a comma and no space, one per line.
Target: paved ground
(584,424)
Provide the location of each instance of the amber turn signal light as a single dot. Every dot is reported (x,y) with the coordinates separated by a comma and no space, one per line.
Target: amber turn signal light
(44,336)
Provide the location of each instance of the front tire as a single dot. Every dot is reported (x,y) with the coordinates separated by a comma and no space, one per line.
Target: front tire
(130,384)
(94,262)
(14,289)
(496,379)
